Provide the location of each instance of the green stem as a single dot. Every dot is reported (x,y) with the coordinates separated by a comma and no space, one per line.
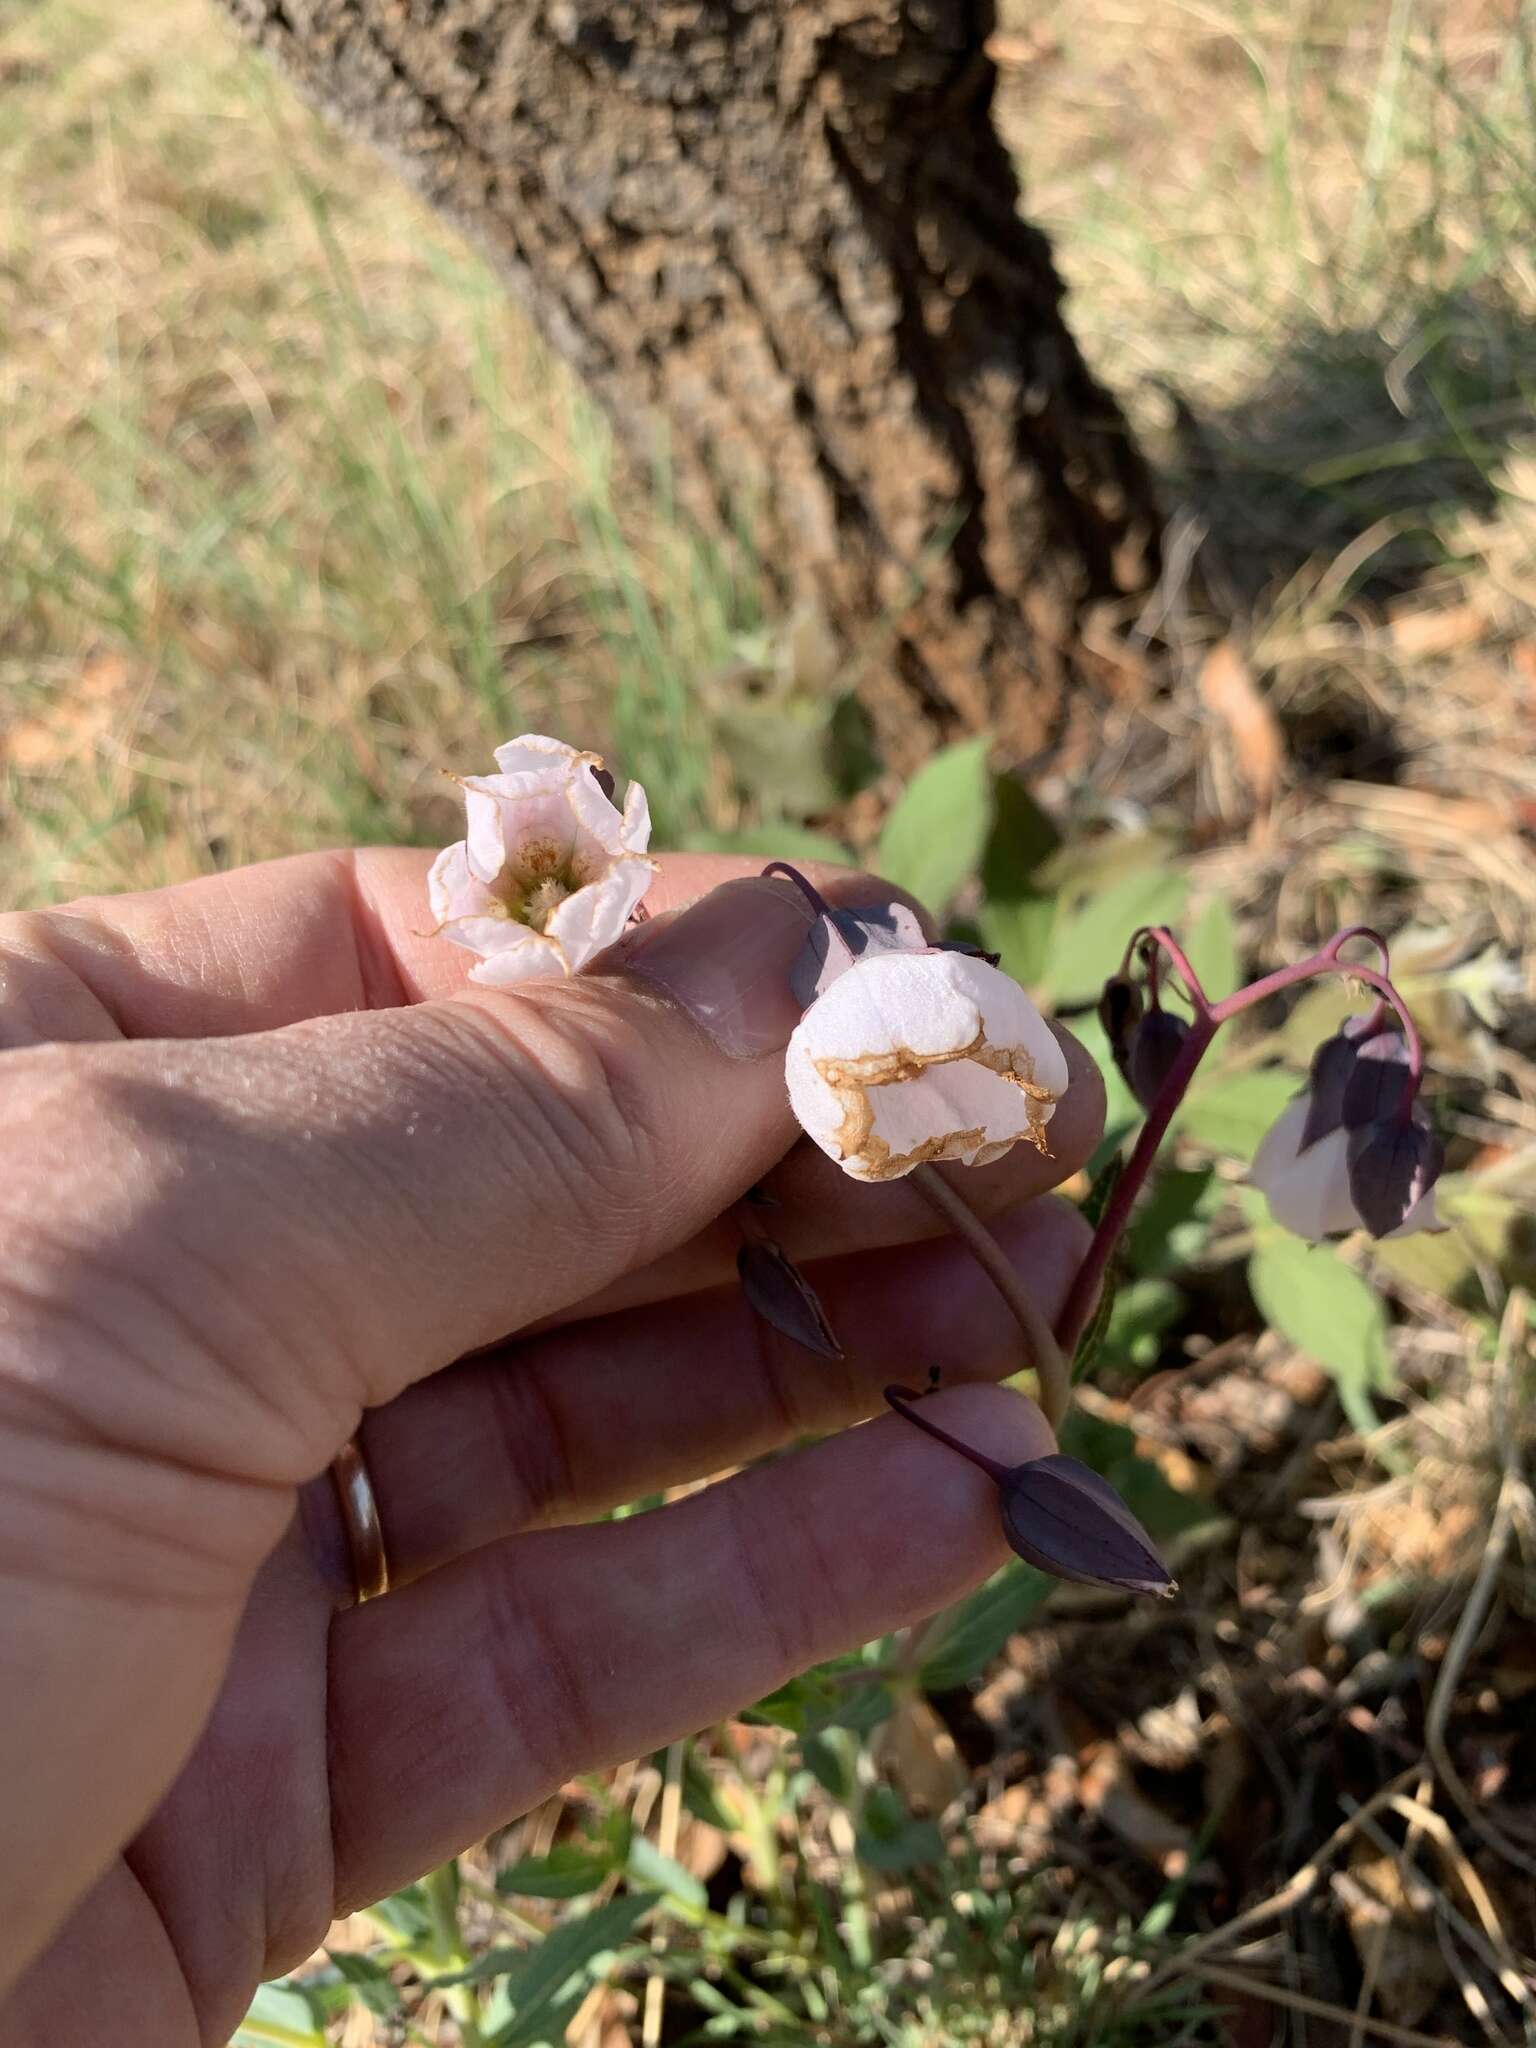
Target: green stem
(442,1892)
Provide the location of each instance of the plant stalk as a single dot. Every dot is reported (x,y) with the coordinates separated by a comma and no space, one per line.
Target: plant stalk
(1045,1354)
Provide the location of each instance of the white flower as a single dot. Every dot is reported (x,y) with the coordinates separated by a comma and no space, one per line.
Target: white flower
(548,872)
(1309,1188)
(916,1056)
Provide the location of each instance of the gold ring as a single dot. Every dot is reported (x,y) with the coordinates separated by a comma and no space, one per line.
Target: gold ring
(360,1514)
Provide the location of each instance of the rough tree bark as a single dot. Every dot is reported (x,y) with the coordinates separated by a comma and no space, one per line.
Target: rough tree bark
(789,229)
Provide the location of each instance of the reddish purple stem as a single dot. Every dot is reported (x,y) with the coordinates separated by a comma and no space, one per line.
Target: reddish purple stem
(1209,1017)
(904,1401)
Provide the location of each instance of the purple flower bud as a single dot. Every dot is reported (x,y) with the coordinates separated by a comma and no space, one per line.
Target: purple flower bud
(1064,1518)
(1156,1043)
(840,938)
(1393,1167)
(1358,1075)
(780,1293)
(1379,1085)
(1120,1011)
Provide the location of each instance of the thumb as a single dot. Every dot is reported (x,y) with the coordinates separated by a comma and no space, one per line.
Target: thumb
(334,1209)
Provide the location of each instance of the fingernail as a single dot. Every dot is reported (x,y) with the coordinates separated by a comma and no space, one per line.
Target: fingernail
(726,959)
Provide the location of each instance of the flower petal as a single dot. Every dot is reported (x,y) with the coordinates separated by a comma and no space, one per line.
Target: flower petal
(528,957)
(532,753)
(635,836)
(596,916)
(1307,1191)
(1393,1167)
(911,1057)
(453,888)
(519,822)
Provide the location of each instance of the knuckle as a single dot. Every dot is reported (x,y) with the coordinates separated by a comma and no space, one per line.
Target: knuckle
(574,1091)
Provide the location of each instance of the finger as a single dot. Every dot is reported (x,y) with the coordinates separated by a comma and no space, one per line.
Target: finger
(409,1184)
(257,948)
(822,1213)
(326,933)
(566,1426)
(461,1701)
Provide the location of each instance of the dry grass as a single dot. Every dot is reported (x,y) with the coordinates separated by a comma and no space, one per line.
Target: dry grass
(293,510)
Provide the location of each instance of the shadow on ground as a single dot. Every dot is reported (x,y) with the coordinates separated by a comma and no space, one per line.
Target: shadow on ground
(1365,439)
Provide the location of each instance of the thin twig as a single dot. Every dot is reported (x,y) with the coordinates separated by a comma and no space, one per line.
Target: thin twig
(1299,1886)
(666,1842)
(1045,1354)
(1513,1494)
(1298,2001)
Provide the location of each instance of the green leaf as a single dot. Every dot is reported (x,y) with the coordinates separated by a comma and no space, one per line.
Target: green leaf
(280,2017)
(570,1951)
(771,842)
(1230,1113)
(567,1872)
(1088,944)
(1022,838)
(980,1625)
(1020,931)
(892,1838)
(1212,949)
(660,1873)
(1091,1342)
(368,1979)
(1173,1221)
(933,839)
(821,1698)
(1096,1201)
(1142,1311)
(1324,1308)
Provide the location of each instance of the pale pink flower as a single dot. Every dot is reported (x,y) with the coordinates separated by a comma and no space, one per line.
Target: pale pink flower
(915,1056)
(549,872)
(1308,1187)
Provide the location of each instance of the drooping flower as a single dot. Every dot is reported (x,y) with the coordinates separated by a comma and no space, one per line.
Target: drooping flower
(549,872)
(1379,1176)
(919,1055)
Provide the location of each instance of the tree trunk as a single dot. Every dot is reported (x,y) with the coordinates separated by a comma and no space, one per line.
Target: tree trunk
(787,230)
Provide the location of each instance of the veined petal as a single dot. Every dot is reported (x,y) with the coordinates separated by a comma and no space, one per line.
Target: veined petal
(530,957)
(596,916)
(596,824)
(454,890)
(519,822)
(534,753)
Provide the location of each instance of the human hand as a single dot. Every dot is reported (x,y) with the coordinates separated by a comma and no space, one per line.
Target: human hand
(269,1166)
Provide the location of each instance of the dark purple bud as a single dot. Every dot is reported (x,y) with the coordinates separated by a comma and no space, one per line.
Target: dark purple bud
(838,939)
(1064,1518)
(1392,1167)
(1332,1065)
(1156,1043)
(1358,1075)
(1381,1082)
(780,1293)
(1120,1011)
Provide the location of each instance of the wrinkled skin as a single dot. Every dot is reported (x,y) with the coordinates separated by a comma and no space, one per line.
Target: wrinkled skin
(269,1168)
